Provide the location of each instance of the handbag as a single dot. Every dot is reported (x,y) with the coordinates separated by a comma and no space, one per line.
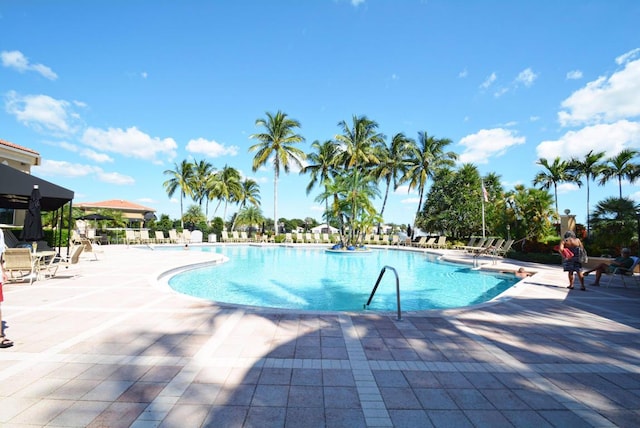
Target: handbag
(565,253)
(584,258)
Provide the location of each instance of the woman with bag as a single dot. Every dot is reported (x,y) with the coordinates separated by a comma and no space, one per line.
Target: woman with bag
(572,253)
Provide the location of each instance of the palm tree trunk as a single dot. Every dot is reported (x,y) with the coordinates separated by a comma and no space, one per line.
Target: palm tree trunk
(275,201)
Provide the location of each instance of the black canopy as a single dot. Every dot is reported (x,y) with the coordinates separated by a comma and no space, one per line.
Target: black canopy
(16,186)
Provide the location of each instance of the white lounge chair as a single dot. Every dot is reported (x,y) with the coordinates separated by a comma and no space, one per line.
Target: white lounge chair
(59,261)
(19,264)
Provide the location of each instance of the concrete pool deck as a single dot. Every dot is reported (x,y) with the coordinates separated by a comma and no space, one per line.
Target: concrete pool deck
(103,345)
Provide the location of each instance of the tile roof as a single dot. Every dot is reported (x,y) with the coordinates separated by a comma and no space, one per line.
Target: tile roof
(15,146)
(117,204)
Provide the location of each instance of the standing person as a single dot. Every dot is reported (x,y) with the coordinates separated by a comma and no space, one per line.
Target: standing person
(4,342)
(572,263)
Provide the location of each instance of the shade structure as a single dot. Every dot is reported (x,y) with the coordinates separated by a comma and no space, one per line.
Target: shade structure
(32,230)
(16,186)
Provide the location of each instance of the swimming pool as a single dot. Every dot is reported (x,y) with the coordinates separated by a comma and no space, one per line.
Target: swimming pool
(311,279)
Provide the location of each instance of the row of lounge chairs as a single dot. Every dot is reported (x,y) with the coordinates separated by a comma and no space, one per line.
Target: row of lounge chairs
(237,236)
(142,237)
(487,246)
(432,242)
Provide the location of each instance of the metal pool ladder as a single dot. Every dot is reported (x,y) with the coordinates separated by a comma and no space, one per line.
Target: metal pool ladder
(375,287)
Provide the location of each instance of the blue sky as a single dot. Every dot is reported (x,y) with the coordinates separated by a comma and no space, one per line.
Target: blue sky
(112,93)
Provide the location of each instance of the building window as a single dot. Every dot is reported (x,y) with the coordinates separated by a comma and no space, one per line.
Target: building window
(6,216)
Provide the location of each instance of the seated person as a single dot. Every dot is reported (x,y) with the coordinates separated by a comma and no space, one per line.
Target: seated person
(623,262)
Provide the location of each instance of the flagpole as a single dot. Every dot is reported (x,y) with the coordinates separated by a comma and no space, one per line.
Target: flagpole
(482,198)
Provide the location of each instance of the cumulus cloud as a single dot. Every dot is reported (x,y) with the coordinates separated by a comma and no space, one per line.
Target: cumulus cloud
(42,113)
(17,61)
(96,156)
(608,138)
(526,77)
(567,188)
(574,75)
(606,99)
(54,168)
(130,143)
(115,178)
(211,148)
(635,53)
(486,143)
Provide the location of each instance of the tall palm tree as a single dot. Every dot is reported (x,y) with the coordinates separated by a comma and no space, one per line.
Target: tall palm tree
(554,173)
(181,178)
(426,157)
(393,164)
(277,145)
(590,168)
(202,171)
(228,186)
(620,166)
(321,167)
(249,193)
(360,146)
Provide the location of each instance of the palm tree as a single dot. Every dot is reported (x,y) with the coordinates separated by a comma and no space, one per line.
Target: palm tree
(249,192)
(614,223)
(202,171)
(277,145)
(181,177)
(393,164)
(590,168)
(426,157)
(553,174)
(249,216)
(227,187)
(360,145)
(321,166)
(620,166)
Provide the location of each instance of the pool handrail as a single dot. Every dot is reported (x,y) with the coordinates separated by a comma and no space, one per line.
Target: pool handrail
(375,287)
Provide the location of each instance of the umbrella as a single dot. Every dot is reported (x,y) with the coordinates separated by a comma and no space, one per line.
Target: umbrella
(32,230)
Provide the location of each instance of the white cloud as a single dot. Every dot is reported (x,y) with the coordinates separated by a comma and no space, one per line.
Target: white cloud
(605,99)
(144,74)
(574,75)
(487,143)
(19,62)
(526,77)
(500,92)
(147,200)
(567,188)
(115,178)
(64,169)
(357,2)
(411,201)
(608,138)
(211,148)
(464,73)
(95,156)
(404,189)
(42,113)
(130,143)
(317,208)
(489,81)
(634,53)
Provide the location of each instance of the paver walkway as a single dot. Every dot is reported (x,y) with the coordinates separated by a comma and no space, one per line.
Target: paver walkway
(105,346)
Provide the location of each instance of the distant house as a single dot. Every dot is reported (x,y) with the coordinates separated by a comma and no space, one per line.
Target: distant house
(133,213)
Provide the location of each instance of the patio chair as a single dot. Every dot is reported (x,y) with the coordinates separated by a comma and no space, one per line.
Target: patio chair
(144,237)
(173,236)
(299,238)
(89,247)
(58,261)
(395,240)
(623,272)
(421,242)
(19,264)
(471,243)
(185,236)
(325,238)
(505,248)
(160,239)
(244,237)
(129,237)
(441,242)
(235,236)
(288,239)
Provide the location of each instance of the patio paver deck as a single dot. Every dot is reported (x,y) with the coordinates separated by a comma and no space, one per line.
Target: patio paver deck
(104,345)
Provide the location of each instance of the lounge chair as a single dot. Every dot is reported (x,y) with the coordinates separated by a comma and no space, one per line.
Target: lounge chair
(471,243)
(375,239)
(623,272)
(72,259)
(185,236)
(244,237)
(421,242)
(384,239)
(160,239)
(235,236)
(308,238)
(478,246)
(316,238)
(129,238)
(395,240)
(89,247)
(173,236)
(224,235)
(441,242)
(288,238)
(144,237)
(505,248)
(19,264)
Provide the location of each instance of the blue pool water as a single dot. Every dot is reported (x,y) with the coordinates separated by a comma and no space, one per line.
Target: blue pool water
(312,279)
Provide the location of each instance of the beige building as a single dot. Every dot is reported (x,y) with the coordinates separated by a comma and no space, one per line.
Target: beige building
(22,159)
(134,213)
